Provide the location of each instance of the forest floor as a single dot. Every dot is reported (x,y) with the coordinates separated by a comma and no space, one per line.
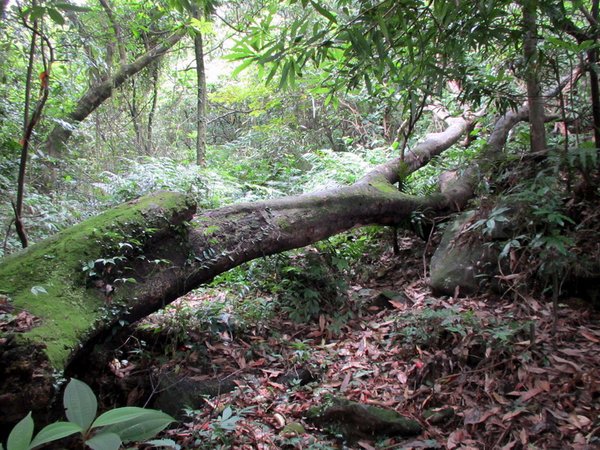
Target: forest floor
(490,366)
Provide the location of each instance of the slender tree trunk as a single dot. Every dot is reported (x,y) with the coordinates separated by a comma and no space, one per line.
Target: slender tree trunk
(18,206)
(117,30)
(155,73)
(201,98)
(595,90)
(28,80)
(534,92)
(135,117)
(98,93)
(29,127)
(3,5)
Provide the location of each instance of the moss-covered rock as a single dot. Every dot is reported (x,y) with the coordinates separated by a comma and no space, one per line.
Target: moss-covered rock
(461,262)
(356,420)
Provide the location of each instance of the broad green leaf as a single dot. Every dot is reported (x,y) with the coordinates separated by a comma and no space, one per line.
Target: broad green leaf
(126,414)
(324,12)
(80,403)
(21,434)
(272,73)
(284,75)
(227,413)
(55,431)
(142,428)
(36,12)
(56,16)
(104,441)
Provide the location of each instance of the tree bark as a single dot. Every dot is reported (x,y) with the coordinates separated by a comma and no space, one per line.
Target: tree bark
(117,30)
(97,94)
(3,6)
(534,92)
(201,98)
(594,88)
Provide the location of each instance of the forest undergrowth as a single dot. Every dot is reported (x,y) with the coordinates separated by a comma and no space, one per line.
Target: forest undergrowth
(475,372)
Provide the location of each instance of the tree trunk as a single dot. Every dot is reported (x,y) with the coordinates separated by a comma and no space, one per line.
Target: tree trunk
(128,262)
(534,92)
(76,286)
(3,5)
(594,88)
(155,72)
(97,94)
(201,99)
(117,30)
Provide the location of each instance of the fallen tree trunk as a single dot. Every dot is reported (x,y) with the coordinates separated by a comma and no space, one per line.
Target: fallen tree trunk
(69,291)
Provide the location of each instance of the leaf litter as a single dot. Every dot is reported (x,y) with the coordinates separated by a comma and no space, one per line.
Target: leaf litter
(480,372)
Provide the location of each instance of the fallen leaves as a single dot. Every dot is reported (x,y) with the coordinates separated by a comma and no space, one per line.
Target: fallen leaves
(491,365)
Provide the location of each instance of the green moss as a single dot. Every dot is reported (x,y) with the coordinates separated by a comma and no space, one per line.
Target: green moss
(283,223)
(211,230)
(381,184)
(66,308)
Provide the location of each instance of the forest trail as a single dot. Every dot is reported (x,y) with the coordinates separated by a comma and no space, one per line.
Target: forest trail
(489,367)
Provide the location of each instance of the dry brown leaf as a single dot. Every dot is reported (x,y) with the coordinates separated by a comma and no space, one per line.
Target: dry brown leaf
(346,381)
(579,421)
(510,445)
(558,359)
(512,414)
(455,439)
(500,399)
(590,336)
(523,436)
(475,415)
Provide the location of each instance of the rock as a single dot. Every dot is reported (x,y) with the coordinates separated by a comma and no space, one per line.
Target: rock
(357,421)
(466,262)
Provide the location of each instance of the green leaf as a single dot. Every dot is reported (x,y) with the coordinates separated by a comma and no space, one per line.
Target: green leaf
(56,16)
(227,413)
(104,441)
(36,12)
(325,13)
(241,67)
(284,75)
(21,434)
(272,73)
(126,414)
(55,431)
(142,428)
(80,403)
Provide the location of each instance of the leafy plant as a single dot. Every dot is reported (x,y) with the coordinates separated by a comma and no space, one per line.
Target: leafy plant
(221,428)
(309,285)
(106,432)
(431,327)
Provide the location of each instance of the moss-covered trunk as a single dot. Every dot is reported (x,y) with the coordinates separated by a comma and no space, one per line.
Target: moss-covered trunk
(133,260)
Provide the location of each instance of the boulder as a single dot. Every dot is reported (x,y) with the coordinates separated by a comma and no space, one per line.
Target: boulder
(463,261)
